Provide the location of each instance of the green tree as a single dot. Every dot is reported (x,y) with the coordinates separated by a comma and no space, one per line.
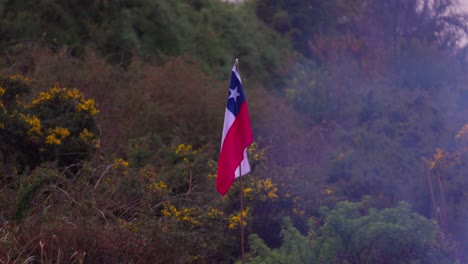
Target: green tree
(152,30)
(356,233)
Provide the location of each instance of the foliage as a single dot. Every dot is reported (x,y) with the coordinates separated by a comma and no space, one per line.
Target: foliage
(153,30)
(345,101)
(56,126)
(355,233)
(157,212)
(446,185)
(433,22)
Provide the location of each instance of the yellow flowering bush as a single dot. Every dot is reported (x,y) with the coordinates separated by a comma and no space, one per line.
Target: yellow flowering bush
(57,125)
(68,125)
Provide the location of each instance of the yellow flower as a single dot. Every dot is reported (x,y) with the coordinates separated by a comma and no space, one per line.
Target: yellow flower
(183,149)
(56,135)
(170,210)
(85,135)
(73,94)
(439,154)
(87,106)
(45,96)
(120,163)
(235,220)
(257,155)
(159,186)
(214,213)
(248,193)
(61,132)
(184,152)
(462,132)
(212,165)
(34,122)
(186,215)
(272,194)
(21,78)
(298,212)
(2,91)
(328,191)
(67,94)
(52,140)
(268,189)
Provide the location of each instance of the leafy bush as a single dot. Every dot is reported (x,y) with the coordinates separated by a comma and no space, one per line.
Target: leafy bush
(355,233)
(57,126)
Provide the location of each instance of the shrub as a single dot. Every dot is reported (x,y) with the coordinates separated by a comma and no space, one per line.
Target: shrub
(355,233)
(56,126)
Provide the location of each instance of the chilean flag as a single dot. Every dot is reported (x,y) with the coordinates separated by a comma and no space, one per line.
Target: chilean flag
(237,136)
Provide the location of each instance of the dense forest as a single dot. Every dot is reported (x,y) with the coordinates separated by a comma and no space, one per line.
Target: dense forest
(111,115)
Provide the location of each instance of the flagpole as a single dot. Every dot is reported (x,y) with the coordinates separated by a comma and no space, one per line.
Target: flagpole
(242,213)
(241,195)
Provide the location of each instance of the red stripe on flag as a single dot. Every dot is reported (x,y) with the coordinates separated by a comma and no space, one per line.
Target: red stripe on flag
(237,139)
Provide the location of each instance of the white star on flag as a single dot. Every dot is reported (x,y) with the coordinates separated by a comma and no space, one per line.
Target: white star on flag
(234,94)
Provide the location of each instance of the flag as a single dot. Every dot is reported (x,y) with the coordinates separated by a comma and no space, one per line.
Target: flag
(237,136)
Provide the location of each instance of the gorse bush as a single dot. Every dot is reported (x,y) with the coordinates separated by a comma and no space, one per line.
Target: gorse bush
(56,126)
(110,212)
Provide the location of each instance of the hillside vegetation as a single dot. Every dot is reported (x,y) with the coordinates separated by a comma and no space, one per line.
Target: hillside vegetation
(111,115)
